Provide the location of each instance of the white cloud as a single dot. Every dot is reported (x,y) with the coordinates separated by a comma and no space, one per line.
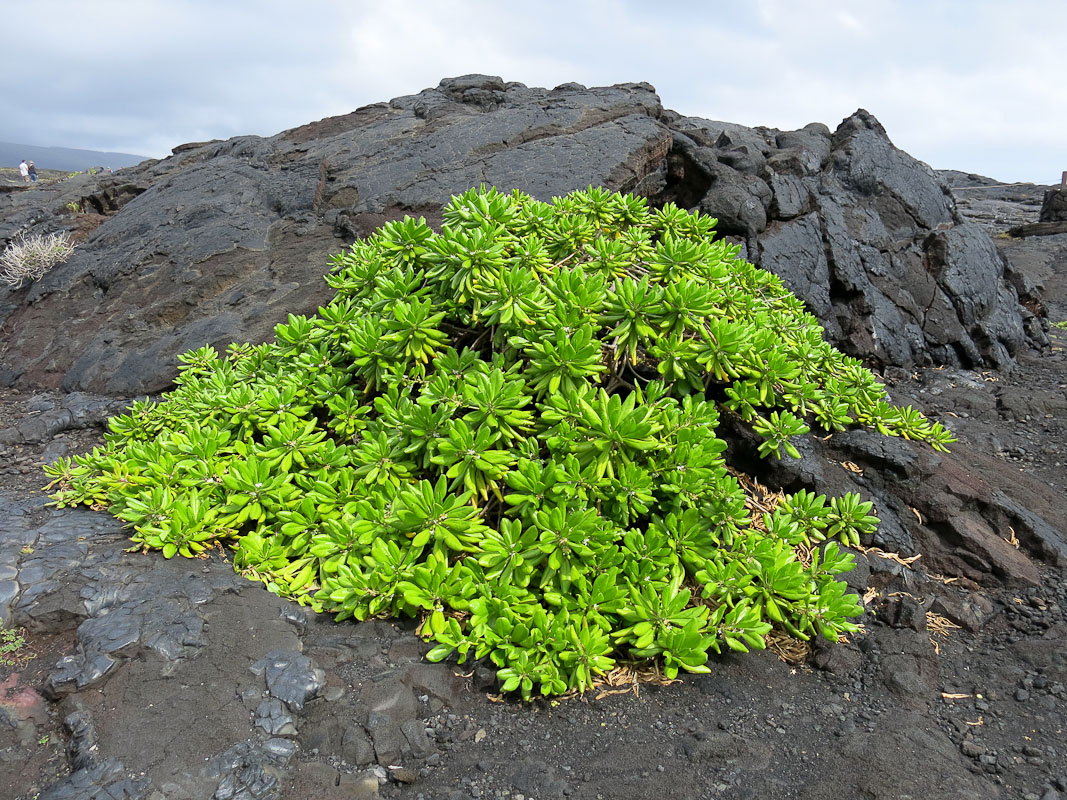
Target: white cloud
(974,85)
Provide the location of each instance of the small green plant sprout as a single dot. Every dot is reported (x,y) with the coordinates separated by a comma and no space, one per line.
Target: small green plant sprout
(74,207)
(13,647)
(30,256)
(1062,324)
(509,429)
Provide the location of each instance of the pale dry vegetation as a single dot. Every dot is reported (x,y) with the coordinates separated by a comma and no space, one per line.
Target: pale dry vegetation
(30,256)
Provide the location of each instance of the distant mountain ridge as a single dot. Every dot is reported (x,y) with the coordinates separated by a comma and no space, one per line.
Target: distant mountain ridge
(64,158)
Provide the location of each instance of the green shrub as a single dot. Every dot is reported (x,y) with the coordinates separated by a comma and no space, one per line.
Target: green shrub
(509,430)
(30,256)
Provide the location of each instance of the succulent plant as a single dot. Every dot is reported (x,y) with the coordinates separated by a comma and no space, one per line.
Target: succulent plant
(510,430)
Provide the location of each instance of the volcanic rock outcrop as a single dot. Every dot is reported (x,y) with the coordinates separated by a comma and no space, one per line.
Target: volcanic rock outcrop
(1054,206)
(218,242)
(179,679)
(865,234)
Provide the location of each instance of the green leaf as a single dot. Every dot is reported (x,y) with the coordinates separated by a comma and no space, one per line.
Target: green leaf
(509,429)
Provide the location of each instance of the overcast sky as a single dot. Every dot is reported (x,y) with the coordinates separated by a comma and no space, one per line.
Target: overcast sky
(974,85)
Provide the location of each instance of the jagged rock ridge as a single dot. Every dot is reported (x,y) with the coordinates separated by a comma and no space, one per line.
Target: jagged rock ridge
(218,242)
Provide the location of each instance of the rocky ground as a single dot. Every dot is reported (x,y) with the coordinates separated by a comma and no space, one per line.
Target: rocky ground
(146,678)
(10,177)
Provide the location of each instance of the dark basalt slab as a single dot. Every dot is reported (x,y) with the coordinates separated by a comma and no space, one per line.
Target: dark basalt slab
(195,678)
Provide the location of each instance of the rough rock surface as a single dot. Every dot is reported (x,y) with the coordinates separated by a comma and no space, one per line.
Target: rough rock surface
(218,242)
(161,679)
(869,237)
(993,205)
(1054,206)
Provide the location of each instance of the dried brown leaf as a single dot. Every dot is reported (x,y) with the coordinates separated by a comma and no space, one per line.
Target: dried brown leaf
(787,648)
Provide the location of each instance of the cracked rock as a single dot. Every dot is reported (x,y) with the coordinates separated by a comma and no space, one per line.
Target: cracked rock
(291,677)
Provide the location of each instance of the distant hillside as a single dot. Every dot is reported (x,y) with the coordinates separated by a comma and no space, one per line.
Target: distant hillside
(64,158)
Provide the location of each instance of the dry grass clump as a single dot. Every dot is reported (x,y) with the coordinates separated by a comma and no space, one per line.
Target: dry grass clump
(29,257)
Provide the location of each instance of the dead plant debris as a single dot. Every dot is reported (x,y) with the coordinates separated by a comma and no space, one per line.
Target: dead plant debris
(787,648)
(895,557)
(938,625)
